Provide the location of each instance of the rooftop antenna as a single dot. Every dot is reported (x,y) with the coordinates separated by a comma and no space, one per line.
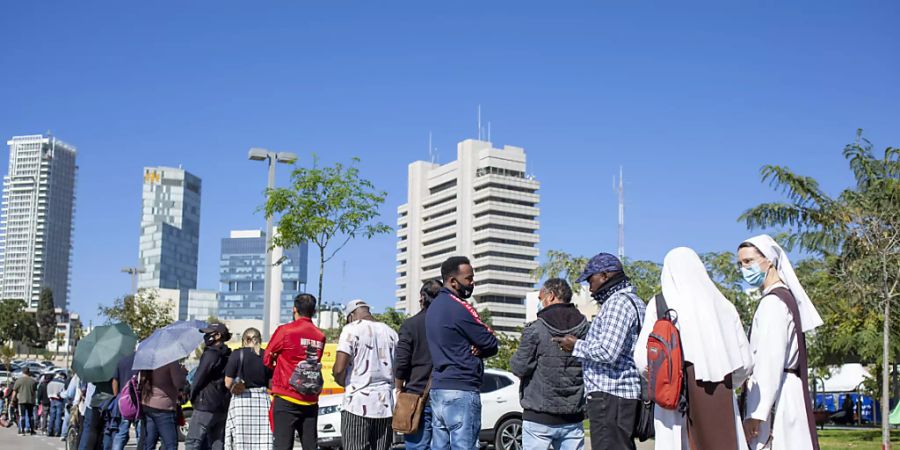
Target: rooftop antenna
(430,148)
(620,190)
(479,122)
(489,131)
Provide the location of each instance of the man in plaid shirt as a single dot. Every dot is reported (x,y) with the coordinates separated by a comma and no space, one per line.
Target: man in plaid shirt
(612,382)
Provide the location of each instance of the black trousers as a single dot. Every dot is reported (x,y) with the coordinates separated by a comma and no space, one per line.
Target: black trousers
(612,421)
(290,418)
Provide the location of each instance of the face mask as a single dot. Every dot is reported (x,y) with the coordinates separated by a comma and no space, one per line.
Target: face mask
(753,275)
(540,306)
(209,339)
(464,291)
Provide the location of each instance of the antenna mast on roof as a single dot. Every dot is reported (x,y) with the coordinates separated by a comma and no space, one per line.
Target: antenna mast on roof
(620,191)
(431,155)
(479,122)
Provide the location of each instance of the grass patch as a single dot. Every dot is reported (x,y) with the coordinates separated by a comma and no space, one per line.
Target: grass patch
(869,439)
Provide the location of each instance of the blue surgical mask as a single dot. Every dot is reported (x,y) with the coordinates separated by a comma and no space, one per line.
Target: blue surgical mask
(753,275)
(540,306)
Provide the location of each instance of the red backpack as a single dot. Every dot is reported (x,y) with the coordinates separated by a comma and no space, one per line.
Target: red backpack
(665,359)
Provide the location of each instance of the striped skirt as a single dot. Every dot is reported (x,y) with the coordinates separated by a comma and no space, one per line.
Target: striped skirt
(247,425)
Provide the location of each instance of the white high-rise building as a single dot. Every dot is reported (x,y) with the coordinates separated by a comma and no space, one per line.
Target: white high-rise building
(483,206)
(36,223)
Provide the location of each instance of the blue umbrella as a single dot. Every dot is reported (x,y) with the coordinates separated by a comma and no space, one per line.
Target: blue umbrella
(168,344)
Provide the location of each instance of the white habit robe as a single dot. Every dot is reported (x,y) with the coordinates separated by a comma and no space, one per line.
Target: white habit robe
(774,346)
(669,426)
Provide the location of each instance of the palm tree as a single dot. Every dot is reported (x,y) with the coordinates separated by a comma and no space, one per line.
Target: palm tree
(860,229)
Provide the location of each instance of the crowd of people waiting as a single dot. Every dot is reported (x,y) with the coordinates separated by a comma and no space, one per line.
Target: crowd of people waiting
(570,370)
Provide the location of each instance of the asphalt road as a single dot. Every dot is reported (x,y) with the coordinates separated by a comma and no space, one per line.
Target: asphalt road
(9,439)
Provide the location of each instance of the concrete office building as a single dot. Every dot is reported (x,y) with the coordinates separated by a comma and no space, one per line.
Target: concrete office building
(242,277)
(170,230)
(37,219)
(483,206)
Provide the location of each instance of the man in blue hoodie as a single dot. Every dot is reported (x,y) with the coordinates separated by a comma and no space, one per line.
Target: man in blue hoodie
(458,341)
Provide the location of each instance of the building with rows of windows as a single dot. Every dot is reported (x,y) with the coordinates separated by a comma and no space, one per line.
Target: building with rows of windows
(483,206)
(37,219)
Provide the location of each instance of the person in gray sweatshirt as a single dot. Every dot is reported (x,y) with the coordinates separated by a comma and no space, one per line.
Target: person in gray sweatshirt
(552,392)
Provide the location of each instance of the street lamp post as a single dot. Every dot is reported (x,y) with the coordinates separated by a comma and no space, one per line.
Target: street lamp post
(260,154)
(134,272)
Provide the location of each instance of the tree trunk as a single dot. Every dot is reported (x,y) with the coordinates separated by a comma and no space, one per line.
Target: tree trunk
(885,380)
(321,279)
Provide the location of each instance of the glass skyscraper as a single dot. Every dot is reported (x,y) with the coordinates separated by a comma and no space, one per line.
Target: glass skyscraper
(242,276)
(36,225)
(170,229)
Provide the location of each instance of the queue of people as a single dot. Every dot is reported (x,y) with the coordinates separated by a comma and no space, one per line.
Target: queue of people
(570,370)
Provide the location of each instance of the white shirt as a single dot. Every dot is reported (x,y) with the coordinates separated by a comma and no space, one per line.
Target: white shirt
(370,376)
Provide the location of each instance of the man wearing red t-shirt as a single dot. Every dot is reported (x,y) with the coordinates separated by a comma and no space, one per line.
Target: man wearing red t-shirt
(291,411)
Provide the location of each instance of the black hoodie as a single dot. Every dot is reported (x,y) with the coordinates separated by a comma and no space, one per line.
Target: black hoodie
(208,391)
(552,389)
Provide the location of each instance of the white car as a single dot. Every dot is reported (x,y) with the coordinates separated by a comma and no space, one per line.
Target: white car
(501,414)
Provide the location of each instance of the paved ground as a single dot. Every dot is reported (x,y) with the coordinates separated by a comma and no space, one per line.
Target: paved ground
(9,439)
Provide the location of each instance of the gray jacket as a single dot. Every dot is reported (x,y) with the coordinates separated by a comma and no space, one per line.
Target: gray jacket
(552,381)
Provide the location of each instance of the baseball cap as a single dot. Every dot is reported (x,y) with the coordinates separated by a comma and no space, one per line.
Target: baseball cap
(353,305)
(215,328)
(600,263)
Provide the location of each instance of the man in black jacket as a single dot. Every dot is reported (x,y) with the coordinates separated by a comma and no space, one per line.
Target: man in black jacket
(208,394)
(412,363)
(552,394)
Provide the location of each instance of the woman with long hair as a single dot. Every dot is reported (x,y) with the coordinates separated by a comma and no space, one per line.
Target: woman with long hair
(247,424)
(159,404)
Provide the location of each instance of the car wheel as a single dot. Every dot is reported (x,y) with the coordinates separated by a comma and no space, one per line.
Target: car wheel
(508,435)
(183,429)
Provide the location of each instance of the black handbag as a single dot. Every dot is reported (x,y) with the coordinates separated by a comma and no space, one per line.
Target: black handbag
(643,420)
(643,423)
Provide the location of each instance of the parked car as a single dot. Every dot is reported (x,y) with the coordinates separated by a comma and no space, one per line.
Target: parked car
(501,414)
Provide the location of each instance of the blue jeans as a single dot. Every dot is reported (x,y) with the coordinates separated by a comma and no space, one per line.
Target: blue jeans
(66,417)
(120,437)
(160,425)
(536,436)
(421,439)
(54,426)
(26,418)
(456,420)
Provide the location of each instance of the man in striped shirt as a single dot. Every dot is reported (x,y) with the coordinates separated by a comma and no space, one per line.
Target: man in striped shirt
(612,382)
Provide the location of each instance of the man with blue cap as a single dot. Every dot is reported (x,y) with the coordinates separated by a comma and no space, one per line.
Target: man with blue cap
(612,382)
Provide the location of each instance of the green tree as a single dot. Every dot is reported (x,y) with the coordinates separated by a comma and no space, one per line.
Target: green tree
(725,274)
(861,227)
(563,265)
(7,353)
(46,317)
(327,206)
(144,312)
(17,324)
(391,317)
(508,343)
(644,276)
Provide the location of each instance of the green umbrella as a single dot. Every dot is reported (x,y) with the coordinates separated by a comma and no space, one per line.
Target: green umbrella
(97,355)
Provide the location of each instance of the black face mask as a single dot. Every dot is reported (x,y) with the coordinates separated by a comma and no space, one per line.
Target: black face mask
(209,339)
(464,291)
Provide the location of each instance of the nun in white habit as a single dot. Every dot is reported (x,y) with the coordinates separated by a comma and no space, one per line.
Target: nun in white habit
(778,410)
(716,353)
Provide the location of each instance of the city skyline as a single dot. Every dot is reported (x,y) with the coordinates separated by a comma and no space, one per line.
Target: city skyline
(691,100)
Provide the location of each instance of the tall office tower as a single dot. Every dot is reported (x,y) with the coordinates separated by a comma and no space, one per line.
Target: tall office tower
(37,219)
(170,230)
(483,206)
(242,277)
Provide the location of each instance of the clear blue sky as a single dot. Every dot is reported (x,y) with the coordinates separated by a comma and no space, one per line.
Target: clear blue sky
(692,100)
